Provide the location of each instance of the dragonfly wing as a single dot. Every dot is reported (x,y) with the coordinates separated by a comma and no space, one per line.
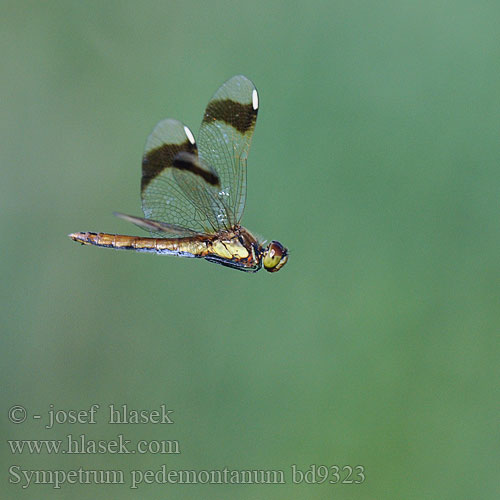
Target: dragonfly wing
(157,227)
(177,189)
(225,137)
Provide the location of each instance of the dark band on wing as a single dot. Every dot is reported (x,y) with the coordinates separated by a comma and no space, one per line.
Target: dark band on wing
(154,162)
(191,163)
(240,116)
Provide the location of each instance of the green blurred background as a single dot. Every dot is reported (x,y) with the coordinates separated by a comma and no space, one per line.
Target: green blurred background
(375,160)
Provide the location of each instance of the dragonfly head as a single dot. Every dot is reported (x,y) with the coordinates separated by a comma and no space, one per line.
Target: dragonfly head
(275,256)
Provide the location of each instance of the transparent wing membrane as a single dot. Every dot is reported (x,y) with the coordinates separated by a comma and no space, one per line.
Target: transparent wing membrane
(186,190)
(164,199)
(225,137)
(157,227)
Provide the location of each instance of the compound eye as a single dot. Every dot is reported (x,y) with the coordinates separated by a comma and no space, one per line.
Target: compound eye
(275,257)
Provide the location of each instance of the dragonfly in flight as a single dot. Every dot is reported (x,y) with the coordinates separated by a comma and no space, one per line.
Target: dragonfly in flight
(193,194)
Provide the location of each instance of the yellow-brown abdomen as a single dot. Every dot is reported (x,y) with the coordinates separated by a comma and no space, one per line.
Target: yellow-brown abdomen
(185,247)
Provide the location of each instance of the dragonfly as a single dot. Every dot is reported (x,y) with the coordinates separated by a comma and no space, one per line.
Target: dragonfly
(193,193)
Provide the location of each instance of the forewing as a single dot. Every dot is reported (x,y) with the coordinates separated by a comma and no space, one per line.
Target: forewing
(173,178)
(224,140)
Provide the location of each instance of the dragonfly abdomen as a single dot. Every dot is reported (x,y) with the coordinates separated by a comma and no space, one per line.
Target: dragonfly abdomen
(165,246)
